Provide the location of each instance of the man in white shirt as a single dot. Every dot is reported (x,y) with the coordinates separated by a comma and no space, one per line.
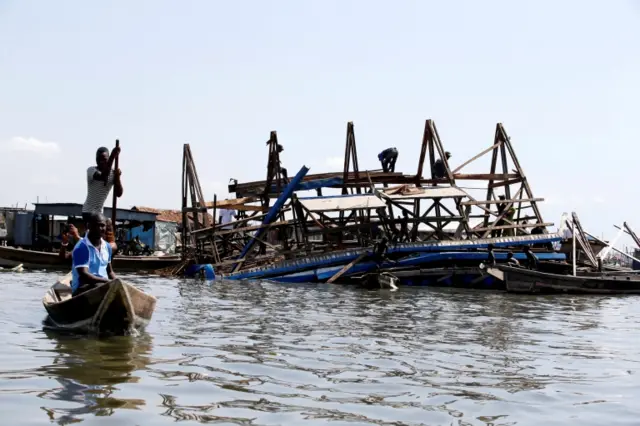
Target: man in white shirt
(226,216)
(100,179)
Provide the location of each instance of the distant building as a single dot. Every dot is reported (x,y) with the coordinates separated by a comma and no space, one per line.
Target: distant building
(48,221)
(7,223)
(168,227)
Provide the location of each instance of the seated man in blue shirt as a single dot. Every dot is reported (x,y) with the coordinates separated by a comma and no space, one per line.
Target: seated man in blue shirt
(92,258)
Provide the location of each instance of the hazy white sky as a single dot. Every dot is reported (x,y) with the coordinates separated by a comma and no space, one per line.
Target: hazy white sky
(562,77)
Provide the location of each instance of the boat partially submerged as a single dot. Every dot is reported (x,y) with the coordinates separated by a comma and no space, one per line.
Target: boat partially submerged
(115,307)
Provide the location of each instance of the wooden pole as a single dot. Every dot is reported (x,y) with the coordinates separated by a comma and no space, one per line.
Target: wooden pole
(573,247)
(346,268)
(115,198)
(613,248)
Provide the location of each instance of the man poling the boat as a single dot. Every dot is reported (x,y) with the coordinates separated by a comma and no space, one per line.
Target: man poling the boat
(92,257)
(100,179)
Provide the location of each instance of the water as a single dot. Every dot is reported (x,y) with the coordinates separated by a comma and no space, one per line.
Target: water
(267,354)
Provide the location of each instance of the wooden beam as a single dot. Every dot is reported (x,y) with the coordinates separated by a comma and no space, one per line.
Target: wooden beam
(633,234)
(505,182)
(477,203)
(346,268)
(224,204)
(475,158)
(485,176)
(522,225)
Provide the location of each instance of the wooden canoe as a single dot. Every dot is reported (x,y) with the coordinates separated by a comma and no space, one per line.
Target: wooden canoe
(521,280)
(31,259)
(113,308)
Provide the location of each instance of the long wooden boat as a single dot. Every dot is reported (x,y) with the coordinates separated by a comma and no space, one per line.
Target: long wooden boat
(31,259)
(112,308)
(521,280)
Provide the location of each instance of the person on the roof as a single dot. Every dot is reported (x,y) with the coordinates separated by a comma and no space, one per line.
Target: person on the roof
(388,159)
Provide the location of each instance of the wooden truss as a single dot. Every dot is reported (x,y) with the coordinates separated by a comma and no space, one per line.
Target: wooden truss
(198,219)
(404,208)
(511,216)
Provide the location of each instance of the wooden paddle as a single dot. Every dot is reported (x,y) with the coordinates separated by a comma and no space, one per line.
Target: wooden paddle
(115,199)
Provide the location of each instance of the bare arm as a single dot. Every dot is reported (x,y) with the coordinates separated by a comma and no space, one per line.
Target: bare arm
(88,278)
(110,273)
(117,184)
(63,253)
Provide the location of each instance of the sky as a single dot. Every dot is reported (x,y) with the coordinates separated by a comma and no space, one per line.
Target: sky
(561,76)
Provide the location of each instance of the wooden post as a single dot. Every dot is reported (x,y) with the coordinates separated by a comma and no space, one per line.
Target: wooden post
(573,247)
(115,198)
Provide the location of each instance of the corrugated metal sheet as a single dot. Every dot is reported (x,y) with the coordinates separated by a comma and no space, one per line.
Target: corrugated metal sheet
(166,237)
(23,229)
(338,203)
(75,210)
(434,192)
(147,237)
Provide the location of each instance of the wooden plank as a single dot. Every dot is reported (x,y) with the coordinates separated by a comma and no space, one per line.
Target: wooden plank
(234,223)
(226,204)
(252,228)
(478,203)
(475,158)
(583,241)
(505,182)
(485,176)
(633,234)
(346,268)
(522,225)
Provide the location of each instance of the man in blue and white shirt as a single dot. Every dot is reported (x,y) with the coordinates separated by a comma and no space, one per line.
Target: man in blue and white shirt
(92,258)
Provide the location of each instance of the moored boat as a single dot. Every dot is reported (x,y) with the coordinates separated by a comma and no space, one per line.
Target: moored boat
(521,280)
(115,307)
(31,259)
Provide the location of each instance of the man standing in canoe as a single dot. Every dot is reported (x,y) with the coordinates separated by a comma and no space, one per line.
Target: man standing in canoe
(92,256)
(100,179)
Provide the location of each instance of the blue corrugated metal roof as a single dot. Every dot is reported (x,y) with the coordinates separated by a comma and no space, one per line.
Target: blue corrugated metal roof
(73,209)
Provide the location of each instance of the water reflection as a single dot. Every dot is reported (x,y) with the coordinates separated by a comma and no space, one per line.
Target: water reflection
(89,370)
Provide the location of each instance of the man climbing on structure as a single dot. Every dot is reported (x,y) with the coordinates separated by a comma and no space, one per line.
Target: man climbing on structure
(439,170)
(388,159)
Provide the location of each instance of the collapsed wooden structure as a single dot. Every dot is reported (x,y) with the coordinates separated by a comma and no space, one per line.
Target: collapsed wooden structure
(371,206)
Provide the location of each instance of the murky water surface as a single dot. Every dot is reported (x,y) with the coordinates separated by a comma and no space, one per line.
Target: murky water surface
(267,354)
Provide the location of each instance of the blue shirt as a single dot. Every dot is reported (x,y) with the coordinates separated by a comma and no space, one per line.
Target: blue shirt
(86,255)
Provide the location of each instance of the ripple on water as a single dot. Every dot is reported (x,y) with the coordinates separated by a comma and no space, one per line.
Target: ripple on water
(261,353)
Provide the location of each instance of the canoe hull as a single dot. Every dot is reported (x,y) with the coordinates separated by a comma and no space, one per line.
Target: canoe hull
(520,280)
(31,259)
(113,308)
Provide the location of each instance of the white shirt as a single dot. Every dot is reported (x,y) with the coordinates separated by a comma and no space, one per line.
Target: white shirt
(97,191)
(226,216)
